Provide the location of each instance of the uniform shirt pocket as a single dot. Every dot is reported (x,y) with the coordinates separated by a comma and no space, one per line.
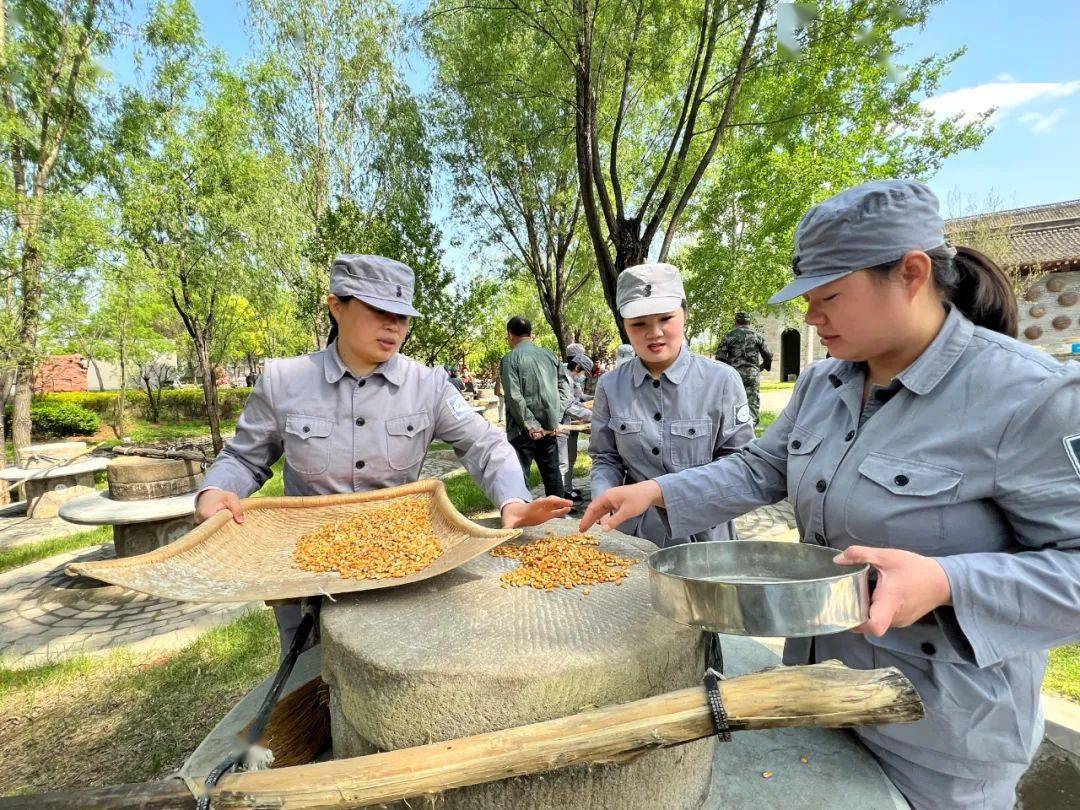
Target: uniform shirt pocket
(307,443)
(800,448)
(691,442)
(628,440)
(406,440)
(900,503)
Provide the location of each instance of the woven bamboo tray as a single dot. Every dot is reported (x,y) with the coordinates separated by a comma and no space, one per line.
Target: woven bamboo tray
(224,561)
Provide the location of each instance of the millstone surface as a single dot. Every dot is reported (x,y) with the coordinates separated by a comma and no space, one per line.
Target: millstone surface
(459,655)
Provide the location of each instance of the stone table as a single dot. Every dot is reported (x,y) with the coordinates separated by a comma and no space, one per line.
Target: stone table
(138,526)
(36,481)
(459,655)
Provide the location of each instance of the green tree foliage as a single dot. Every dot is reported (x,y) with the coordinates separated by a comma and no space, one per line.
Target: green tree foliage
(338,106)
(511,150)
(830,118)
(197,196)
(49,71)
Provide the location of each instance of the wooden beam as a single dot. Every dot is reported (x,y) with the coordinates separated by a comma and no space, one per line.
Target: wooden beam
(827,695)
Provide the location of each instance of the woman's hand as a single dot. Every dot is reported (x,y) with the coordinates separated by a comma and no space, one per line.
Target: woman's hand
(518,514)
(214,500)
(619,504)
(908,586)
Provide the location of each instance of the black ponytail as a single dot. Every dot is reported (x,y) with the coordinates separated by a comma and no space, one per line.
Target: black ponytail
(331,336)
(975,284)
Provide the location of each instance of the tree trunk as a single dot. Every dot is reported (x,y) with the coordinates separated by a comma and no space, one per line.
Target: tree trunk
(118,428)
(97,370)
(151,403)
(210,400)
(557,320)
(5,388)
(30,314)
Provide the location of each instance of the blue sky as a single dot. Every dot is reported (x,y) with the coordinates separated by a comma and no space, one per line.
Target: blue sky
(1022,57)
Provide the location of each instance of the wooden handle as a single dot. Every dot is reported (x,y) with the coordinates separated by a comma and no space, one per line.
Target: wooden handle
(825,695)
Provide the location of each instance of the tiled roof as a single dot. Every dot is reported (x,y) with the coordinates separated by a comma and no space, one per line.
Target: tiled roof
(1044,235)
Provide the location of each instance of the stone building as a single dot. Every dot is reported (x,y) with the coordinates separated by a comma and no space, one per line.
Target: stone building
(1040,246)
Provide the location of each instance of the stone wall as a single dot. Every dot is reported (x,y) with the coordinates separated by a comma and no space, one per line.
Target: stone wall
(60,372)
(1050,313)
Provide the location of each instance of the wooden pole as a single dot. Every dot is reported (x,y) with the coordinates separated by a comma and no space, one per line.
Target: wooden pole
(825,695)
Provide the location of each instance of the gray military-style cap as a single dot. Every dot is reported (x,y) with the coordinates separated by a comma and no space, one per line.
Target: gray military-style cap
(377,281)
(875,223)
(583,361)
(649,289)
(574,348)
(624,354)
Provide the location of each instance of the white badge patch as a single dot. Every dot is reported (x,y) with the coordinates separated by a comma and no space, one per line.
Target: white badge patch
(459,406)
(1072,449)
(742,413)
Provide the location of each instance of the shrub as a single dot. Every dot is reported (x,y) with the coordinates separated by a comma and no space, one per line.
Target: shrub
(62,419)
(177,404)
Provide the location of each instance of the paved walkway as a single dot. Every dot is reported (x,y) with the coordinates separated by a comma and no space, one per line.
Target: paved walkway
(16,529)
(46,615)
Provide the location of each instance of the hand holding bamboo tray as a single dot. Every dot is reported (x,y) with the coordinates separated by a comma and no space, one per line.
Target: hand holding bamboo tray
(224,561)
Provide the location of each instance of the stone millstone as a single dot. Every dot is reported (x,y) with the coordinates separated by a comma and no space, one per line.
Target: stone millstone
(133,478)
(460,655)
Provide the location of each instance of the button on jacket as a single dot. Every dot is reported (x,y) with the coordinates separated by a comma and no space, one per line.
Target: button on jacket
(971,460)
(343,434)
(642,428)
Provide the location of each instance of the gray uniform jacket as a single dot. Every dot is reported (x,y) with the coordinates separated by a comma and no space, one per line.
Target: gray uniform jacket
(643,428)
(341,434)
(968,462)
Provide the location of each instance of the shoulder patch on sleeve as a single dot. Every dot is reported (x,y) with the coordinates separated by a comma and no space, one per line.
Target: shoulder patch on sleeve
(742,413)
(1072,450)
(459,406)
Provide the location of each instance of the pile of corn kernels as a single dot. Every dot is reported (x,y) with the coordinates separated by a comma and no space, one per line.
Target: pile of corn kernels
(388,541)
(563,561)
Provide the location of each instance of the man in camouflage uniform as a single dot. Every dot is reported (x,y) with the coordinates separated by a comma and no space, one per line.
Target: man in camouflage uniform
(745,351)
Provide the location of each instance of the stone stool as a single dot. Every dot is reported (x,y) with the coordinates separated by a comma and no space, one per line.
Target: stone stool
(36,481)
(138,526)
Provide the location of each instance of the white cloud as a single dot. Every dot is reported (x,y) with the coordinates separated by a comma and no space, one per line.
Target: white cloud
(999,95)
(1005,77)
(1040,123)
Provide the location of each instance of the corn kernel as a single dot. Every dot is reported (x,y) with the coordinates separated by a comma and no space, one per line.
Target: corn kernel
(388,540)
(563,561)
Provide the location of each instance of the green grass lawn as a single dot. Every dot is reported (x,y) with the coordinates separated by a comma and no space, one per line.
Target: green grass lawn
(143,432)
(1063,674)
(31,552)
(776,386)
(765,418)
(125,718)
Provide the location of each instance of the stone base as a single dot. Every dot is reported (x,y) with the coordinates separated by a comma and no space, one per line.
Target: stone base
(460,655)
(36,487)
(48,504)
(138,538)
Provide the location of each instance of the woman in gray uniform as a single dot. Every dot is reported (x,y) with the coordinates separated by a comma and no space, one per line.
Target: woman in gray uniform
(943,452)
(667,409)
(359,416)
